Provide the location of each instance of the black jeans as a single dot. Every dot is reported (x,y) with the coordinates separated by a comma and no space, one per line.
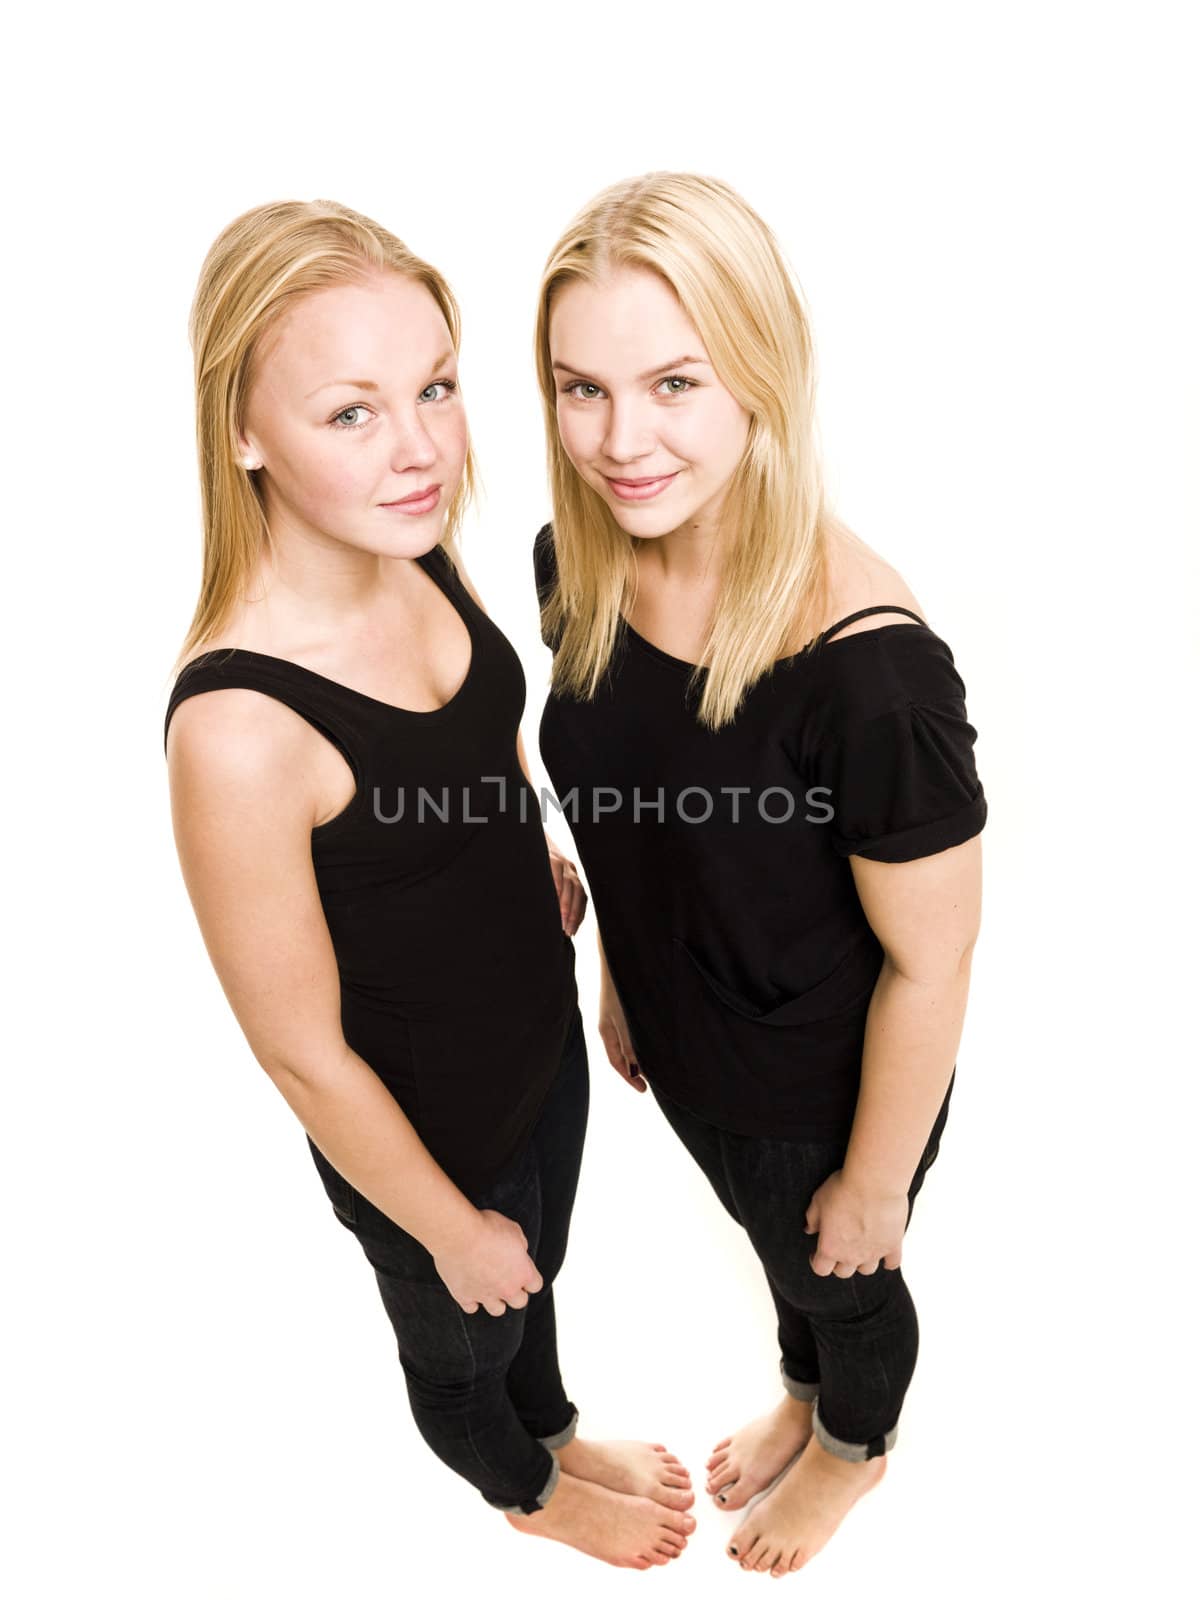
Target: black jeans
(486,1392)
(848,1344)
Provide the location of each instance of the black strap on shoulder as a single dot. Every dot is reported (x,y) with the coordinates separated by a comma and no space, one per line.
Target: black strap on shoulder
(869,611)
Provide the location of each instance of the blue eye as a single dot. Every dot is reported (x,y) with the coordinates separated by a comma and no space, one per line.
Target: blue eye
(352,426)
(443,383)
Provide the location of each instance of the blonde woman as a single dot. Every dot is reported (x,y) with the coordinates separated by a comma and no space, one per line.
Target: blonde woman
(383,909)
(764,753)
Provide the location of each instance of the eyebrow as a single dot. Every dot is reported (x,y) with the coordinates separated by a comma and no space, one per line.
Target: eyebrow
(365,383)
(644,377)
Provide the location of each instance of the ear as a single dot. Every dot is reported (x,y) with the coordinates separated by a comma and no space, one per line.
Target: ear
(249,456)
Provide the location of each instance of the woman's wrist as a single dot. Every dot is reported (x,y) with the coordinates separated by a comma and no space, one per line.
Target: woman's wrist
(453,1229)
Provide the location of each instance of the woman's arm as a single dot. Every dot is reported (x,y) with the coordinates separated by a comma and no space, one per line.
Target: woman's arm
(614,1029)
(572,896)
(926,914)
(242,827)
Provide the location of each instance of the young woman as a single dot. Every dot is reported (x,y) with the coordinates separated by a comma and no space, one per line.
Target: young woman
(387,918)
(770,779)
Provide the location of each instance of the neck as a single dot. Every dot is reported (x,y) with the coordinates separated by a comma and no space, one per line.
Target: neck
(316,582)
(688,555)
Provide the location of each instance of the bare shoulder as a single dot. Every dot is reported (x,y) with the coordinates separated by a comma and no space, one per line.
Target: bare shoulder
(234,752)
(860,577)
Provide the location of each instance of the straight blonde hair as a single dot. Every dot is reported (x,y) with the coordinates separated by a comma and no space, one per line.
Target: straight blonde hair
(731,279)
(258,267)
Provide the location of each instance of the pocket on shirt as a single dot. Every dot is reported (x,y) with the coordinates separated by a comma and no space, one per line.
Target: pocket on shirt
(846,988)
(794,1064)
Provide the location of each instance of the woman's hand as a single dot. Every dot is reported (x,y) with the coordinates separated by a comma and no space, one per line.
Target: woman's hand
(491,1268)
(855,1227)
(614,1032)
(572,896)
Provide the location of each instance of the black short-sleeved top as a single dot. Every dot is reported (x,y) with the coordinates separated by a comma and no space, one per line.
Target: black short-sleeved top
(718,861)
(457,980)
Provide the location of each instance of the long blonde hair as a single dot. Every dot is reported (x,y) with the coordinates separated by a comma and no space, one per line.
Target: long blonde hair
(257,268)
(731,279)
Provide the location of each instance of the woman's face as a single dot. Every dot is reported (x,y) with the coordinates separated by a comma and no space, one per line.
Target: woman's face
(353,407)
(641,413)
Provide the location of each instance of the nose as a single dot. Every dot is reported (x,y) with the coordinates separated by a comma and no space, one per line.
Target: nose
(627,437)
(413,444)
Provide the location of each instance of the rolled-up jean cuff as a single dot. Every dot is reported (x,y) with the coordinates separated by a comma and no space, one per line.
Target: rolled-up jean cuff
(556,1441)
(877,1446)
(796,1387)
(527,1507)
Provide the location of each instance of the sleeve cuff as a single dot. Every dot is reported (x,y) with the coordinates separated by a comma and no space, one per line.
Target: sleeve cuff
(927,839)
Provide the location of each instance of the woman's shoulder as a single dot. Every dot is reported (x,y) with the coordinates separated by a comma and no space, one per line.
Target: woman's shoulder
(244,724)
(884,662)
(859,579)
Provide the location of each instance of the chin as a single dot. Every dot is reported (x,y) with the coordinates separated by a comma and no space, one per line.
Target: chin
(651,522)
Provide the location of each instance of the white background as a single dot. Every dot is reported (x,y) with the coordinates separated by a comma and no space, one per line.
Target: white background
(988,208)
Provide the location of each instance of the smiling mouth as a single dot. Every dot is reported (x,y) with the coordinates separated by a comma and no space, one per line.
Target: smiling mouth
(419,498)
(640,488)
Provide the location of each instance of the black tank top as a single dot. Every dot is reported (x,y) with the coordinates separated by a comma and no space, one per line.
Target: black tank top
(718,861)
(457,980)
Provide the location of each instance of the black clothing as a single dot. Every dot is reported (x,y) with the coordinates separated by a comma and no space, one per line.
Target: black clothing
(457,980)
(849,1344)
(717,861)
(486,1392)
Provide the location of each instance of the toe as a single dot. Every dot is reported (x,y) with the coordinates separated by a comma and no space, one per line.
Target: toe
(748,1549)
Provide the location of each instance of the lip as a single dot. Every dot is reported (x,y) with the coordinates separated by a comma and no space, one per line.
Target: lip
(640,488)
(416,505)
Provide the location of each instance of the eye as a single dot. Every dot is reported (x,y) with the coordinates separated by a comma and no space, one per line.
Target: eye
(577,384)
(442,383)
(675,377)
(349,427)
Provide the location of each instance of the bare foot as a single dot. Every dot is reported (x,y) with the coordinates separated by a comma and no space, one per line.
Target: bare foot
(623,1529)
(630,1467)
(755,1455)
(803,1511)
